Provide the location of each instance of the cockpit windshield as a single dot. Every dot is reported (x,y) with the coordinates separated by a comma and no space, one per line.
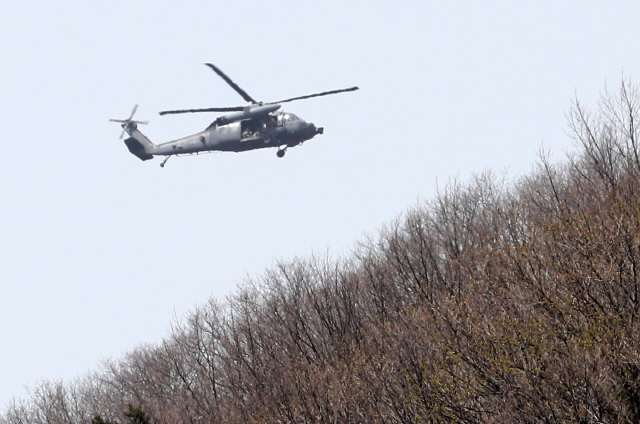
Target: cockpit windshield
(290,117)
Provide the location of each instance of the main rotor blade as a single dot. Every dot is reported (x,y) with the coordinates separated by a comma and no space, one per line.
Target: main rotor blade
(211,109)
(326,93)
(233,85)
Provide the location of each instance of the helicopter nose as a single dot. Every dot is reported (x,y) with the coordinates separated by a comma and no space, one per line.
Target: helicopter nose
(310,129)
(314,130)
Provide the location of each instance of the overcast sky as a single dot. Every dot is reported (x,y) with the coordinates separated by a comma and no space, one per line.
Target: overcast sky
(99,251)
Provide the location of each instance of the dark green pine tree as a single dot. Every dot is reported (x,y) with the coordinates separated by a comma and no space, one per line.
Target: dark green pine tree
(137,416)
(98,420)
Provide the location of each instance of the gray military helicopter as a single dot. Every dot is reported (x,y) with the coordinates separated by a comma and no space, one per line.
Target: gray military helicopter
(256,126)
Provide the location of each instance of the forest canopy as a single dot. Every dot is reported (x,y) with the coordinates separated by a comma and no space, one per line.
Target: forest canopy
(493,302)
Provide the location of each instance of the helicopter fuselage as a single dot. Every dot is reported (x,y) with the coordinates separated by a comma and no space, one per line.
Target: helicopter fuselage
(281,129)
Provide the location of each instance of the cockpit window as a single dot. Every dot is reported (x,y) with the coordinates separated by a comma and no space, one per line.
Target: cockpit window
(290,117)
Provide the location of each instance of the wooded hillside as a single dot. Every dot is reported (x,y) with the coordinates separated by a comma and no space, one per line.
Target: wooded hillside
(494,302)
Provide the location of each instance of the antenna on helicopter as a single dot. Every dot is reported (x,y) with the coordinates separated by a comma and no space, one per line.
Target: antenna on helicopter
(125,122)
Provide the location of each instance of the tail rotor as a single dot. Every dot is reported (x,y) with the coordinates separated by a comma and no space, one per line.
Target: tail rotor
(126,122)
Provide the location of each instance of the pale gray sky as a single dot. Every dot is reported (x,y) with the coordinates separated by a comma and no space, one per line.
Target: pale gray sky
(99,251)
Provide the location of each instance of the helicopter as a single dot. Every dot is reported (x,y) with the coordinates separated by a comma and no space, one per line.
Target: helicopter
(258,125)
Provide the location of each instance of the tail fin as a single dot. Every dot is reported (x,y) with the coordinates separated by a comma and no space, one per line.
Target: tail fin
(138,143)
(137,148)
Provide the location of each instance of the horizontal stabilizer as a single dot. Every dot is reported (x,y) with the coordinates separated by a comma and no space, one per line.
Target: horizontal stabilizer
(137,148)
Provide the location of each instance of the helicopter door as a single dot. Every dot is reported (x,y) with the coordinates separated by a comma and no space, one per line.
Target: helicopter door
(251,128)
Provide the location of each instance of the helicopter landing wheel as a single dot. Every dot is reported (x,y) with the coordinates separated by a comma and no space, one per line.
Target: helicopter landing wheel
(164,161)
(280,153)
